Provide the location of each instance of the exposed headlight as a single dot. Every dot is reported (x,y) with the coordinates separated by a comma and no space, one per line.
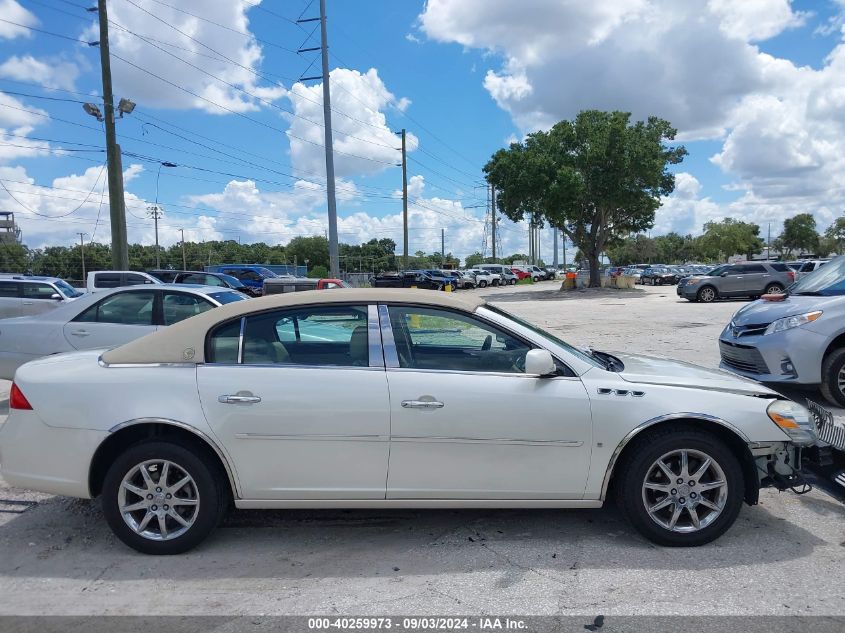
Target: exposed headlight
(692,281)
(794,420)
(787,323)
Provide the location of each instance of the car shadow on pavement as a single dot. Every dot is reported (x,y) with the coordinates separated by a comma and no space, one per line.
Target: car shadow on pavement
(563,295)
(63,538)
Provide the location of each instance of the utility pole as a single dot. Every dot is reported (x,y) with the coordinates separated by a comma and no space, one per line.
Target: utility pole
(117,209)
(184,259)
(82,251)
(334,260)
(564,251)
(404,205)
(493,222)
(554,259)
(154,211)
(443,247)
(769,243)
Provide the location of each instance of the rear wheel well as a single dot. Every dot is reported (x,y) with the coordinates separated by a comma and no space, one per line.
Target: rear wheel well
(121,440)
(733,441)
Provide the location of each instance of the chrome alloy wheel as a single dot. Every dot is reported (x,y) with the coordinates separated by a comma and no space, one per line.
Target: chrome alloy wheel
(840,380)
(158,499)
(685,490)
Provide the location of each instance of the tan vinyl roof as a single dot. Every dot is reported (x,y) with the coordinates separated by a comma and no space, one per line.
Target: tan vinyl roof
(185,341)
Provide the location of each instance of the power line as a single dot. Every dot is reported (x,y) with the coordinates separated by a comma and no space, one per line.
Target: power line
(53,217)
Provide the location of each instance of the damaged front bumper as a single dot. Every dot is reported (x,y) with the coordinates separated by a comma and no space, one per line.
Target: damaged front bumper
(779,466)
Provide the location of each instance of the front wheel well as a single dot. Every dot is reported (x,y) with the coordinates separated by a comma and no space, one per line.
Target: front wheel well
(733,441)
(834,345)
(134,434)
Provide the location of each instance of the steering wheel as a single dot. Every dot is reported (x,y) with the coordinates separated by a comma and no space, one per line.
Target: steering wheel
(488,343)
(518,363)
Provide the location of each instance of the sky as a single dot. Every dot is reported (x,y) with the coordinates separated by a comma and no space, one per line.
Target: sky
(755,88)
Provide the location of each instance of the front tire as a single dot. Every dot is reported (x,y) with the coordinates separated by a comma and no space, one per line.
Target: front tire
(833,377)
(162,498)
(707,294)
(681,487)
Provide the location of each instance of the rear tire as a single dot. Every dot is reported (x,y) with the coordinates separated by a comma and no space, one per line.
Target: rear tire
(833,377)
(694,512)
(188,515)
(774,289)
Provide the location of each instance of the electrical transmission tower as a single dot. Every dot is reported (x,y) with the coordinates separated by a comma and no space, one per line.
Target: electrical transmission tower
(492,234)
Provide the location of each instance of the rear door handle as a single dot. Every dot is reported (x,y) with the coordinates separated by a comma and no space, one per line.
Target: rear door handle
(80,332)
(237,399)
(422,404)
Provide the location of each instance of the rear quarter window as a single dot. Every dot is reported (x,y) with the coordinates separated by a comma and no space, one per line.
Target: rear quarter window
(780,267)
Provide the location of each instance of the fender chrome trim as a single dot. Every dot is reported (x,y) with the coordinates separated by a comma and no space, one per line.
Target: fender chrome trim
(233,480)
(703,417)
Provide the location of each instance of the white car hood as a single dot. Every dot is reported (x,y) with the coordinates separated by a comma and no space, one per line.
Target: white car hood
(655,370)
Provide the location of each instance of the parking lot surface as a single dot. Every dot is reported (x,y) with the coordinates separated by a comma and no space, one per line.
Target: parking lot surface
(785,556)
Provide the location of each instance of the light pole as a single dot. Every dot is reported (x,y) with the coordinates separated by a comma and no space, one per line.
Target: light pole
(82,252)
(156,213)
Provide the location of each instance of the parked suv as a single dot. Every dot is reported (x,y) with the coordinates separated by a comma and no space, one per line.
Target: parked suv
(506,275)
(806,266)
(27,295)
(737,280)
(103,279)
(407,279)
(799,339)
(250,275)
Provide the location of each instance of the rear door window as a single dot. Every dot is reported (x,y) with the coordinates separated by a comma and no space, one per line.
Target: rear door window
(753,268)
(9,289)
(126,308)
(107,280)
(134,279)
(178,306)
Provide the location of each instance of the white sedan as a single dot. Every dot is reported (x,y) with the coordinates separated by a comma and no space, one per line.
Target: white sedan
(102,320)
(379,398)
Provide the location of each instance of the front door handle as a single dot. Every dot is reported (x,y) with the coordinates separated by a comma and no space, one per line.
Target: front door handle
(80,332)
(238,399)
(422,404)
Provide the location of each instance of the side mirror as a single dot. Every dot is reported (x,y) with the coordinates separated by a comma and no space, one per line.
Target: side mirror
(539,362)
(56,296)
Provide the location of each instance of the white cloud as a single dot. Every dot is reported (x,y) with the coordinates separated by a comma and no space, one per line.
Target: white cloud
(756,20)
(363,142)
(16,113)
(12,11)
(51,72)
(226,44)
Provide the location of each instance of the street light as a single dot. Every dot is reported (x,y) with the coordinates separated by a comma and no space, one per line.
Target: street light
(155,211)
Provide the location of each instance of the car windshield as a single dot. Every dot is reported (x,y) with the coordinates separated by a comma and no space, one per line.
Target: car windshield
(828,281)
(227,297)
(551,337)
(67,290)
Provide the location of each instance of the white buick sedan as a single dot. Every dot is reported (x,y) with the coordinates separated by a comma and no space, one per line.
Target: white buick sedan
(382,399)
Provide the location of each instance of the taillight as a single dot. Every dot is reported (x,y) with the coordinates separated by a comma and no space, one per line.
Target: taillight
(17,400)
(791,275)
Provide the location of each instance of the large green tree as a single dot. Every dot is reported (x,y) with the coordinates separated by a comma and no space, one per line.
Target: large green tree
(721,240)
(596,178)
(835,234)
(799,234)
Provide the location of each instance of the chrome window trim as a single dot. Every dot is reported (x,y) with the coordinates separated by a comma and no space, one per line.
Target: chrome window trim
(241,341)
(103,363)
(480,373)
(391,356)
(289,366)
(230,473)
(663,418)
(374,343)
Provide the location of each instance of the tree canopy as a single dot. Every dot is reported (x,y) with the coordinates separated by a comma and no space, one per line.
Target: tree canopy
(596,178)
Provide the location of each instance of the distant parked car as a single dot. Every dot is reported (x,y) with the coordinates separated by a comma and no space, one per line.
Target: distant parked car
(797,340)
(483,278)
(658,277)
(465,280)
(104,319)
(202,278)
(636,273)
(250,275)
(494,278)
(806,266)
(280,285)
(737,280)
(103,279)
(521,274)
(406,279)
(506,276)
(27,295)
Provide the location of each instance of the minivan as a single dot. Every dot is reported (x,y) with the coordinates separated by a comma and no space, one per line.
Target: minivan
(508,277)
